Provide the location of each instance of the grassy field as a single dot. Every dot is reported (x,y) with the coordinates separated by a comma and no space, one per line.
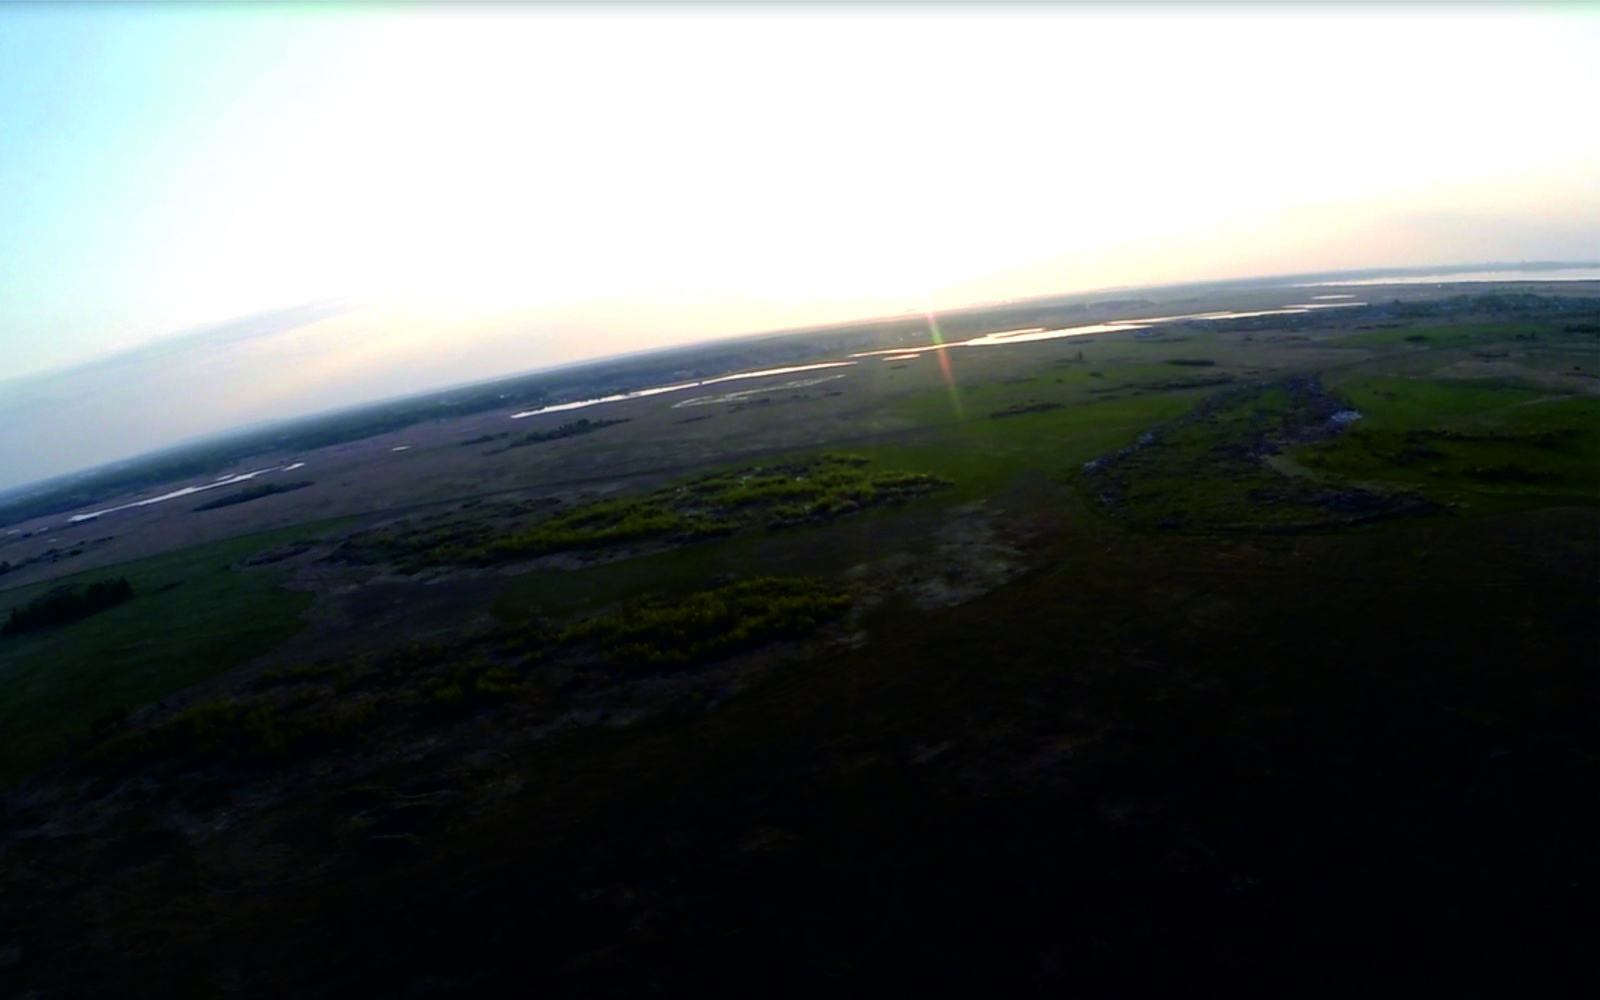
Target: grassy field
(1163,744)
(1263,700)
(1092,398)
(1480,445)
(193,617)
(1214,470)
(803,490)
(980,454)
(979,457)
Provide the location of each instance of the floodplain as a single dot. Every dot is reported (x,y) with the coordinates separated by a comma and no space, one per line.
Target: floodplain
(1263,642)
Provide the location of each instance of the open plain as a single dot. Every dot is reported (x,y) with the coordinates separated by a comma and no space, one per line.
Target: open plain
(1253,627)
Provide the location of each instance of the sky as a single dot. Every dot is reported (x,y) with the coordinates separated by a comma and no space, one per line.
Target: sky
(408,196)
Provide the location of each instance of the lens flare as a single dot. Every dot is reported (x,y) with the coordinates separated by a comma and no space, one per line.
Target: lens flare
(944,361)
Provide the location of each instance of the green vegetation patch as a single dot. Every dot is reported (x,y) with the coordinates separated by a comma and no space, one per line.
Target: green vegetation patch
(1214,469)
(1192,382)
(771,496)
(67,604)
(229,729)
(310,709)
(415,545)
(195,617)
(982,456)
(1468,442)
(1418,402)
(711,623)
(1507,330)
(1023,409)
(301,712)
(1123,369)
(253,492)
(572,428)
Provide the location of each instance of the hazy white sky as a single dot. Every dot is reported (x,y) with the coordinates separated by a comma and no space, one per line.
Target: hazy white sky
(499,188)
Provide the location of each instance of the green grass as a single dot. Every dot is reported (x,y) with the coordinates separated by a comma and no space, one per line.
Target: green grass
(1075,385)
(1213,470)
(192,619)
(309,709)
(1456,334)
(981,456)
(559,593)
(1407,402)
(1485,445)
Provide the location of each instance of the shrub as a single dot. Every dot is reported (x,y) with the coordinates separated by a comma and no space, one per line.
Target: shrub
(710,507)
(232,730)
(68,604)
(712,623)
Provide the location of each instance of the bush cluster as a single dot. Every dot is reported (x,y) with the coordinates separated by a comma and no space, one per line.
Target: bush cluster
(475,682)
(711,623)
(253,492)
(570,429)
(234,730)
(68,604)
(710,507)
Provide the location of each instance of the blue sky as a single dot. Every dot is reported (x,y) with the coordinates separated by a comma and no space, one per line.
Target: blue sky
(121,131)
(490,189)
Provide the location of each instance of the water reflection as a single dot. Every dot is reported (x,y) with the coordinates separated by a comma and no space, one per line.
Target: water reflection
(1030,336)
(1026,336)
(731,397)
(226,479)
(1555,274)
(641,393)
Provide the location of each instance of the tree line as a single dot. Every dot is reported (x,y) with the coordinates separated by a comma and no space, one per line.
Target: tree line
(68,604)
